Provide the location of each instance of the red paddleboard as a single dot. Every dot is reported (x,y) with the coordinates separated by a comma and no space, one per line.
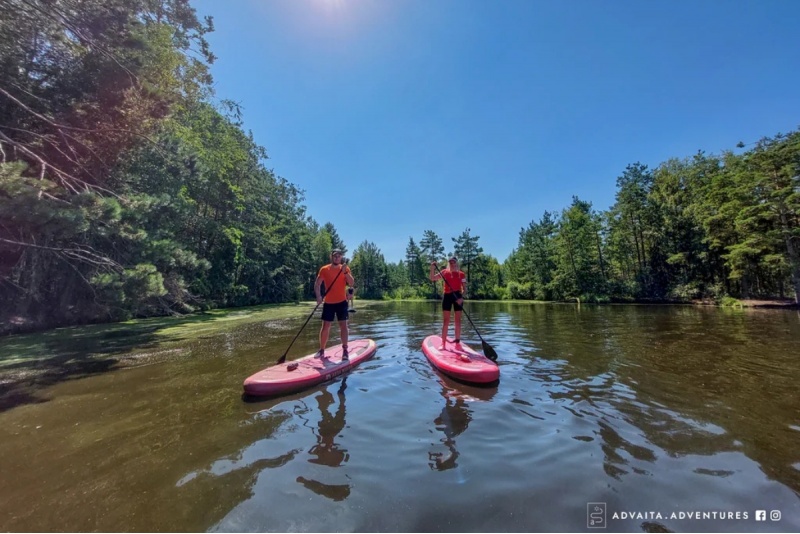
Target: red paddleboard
(309,370)
(460,361)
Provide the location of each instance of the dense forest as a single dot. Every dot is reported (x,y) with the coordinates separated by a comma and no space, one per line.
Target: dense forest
(127,189)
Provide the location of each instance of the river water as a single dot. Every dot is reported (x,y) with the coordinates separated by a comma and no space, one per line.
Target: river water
(653,418)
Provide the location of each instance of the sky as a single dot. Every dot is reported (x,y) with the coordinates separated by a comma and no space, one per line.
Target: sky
(400,116)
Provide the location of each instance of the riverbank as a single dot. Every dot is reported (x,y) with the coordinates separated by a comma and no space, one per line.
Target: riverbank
(155,333)
(751,303)
(17,326)
(29,361)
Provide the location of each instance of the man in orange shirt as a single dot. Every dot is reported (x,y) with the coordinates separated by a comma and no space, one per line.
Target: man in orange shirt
(336,277)
(455,284)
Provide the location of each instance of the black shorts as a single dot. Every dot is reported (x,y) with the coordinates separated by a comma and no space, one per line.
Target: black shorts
(449,302)
(339,310)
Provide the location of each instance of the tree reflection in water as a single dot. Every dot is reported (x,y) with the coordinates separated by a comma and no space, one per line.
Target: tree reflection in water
(326,451)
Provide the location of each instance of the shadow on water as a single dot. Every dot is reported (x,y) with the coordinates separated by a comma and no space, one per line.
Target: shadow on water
(32,362)
(21,388)
(85,341)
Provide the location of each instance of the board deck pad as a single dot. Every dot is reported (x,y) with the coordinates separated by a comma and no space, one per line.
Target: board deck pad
(460,361)
(308,371)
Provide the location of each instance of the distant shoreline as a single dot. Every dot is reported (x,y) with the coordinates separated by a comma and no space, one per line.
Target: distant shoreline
(754,303)
(17,325)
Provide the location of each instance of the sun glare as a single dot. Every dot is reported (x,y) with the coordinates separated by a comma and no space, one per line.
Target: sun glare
(332,4)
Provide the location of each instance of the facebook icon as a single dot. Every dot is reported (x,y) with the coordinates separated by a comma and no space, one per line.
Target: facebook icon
(761,515)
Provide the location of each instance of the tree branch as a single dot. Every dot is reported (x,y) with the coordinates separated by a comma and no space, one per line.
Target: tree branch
(81,254)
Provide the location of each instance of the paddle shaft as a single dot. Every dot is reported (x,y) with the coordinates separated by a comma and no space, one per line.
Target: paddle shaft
(283,358)
(351,299)
(486,347)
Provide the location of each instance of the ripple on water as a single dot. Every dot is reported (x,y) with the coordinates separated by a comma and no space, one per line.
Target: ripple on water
(640,407)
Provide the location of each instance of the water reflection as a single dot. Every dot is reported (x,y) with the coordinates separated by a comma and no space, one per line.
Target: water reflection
(327,451)
(452,421)
(454,418)
(641,407)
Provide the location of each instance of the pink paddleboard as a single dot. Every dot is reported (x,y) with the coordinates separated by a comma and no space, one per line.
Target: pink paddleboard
(460,361)
(309,370)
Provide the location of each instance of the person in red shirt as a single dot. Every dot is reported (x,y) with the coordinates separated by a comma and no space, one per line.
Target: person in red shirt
(336,277)
(455,286)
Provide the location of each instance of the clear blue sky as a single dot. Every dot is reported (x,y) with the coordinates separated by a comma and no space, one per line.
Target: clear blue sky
(400,116)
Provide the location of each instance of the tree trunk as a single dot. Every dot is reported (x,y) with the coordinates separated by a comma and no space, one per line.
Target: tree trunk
(745,286)
(639,260)
(600,255)
(572,262)
(794,256)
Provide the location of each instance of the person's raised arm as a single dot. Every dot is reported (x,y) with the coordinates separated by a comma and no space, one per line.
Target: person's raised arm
(433,275)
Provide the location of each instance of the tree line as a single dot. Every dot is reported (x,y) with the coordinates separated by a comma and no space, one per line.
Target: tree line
(128,190)
(709,226)
(715,227)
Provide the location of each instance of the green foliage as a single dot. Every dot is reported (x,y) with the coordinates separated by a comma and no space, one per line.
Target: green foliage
(432,250)
(124,192)
(533,263)
(730,302)
(414,263)
(396,276)
(685,292)
(578,258)
(703,227)
(133,292)
(502,293)
(336,241)
(466,248)
(431,247)
(407,292)
(486,274)
(369,271)
(517,291)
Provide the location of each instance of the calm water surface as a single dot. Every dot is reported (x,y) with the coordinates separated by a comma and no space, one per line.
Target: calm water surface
(650,410)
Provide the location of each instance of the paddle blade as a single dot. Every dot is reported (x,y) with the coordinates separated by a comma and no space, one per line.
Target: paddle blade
(488,351)
(281,359)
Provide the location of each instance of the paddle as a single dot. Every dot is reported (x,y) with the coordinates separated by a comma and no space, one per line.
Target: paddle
(349,295)
(350,298)
(487,349)
(322,292)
